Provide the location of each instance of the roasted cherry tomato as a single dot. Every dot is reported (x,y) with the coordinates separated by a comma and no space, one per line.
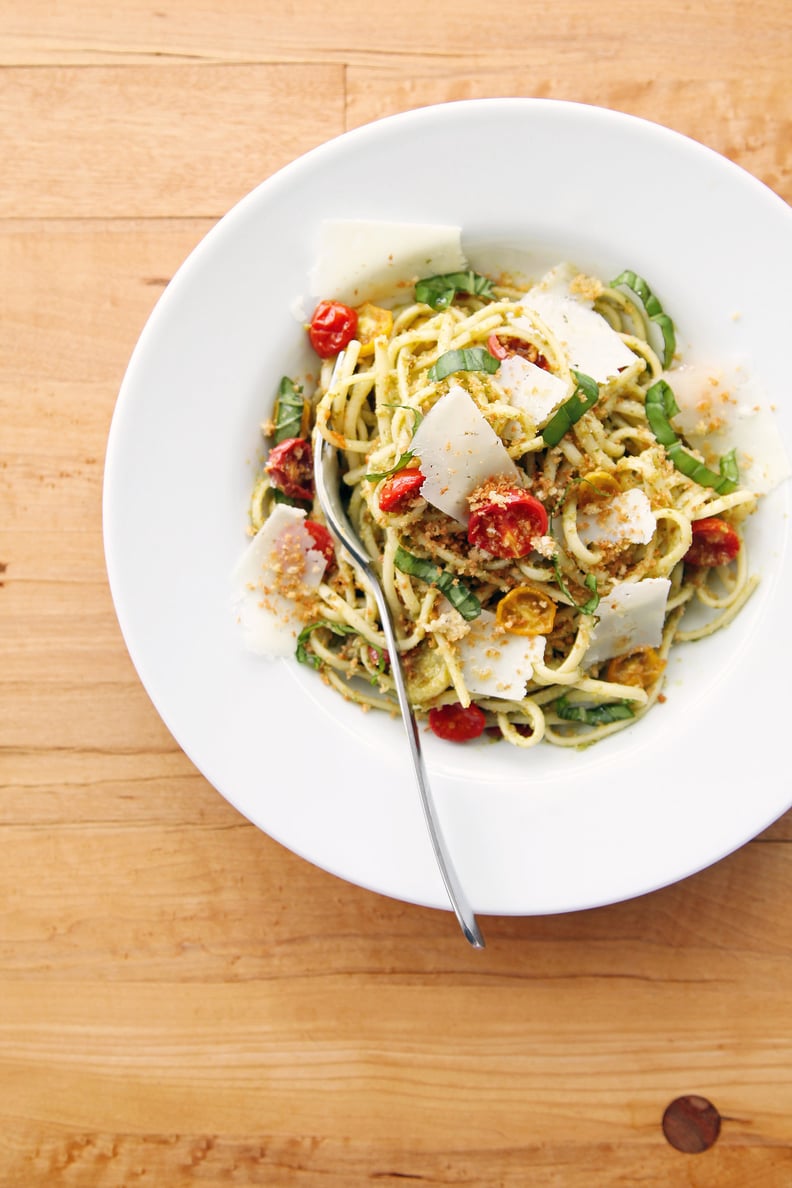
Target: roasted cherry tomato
(398,490)
(640,668)
(505,521)
(501,346)
(526,610)
(714,543)
(290,468)
(595,486)
(323,540)
(455,723)
(332,327)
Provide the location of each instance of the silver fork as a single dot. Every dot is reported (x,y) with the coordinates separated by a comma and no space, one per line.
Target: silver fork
(328,493)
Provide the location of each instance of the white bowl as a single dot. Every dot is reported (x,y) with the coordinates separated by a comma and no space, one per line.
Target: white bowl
(543,831)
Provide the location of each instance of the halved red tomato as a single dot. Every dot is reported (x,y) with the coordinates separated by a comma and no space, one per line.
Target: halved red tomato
(715,542)
(323,540)
(398,490)
(290,468)
(503,345)
(505,521)
(457,723)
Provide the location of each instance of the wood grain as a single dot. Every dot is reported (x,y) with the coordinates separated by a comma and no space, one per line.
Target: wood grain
(143,141)
(183,1001)
(683,40)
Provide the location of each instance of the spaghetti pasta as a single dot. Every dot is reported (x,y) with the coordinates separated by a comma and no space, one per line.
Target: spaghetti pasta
(513,467)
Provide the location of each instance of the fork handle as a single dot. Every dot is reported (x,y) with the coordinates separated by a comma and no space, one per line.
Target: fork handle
(459,901)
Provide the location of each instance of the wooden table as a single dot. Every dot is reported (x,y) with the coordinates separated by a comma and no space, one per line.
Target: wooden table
(183,1001)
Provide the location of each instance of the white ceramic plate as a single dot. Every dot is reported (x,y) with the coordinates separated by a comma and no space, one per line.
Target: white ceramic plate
(541,831)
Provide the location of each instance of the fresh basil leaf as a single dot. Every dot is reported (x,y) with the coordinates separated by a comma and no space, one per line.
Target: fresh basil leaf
(593,715)
(559,577)
(439,291)
(306,657)
(463,359)
(660,406)
(455,591)
(690,466)
(403,462)
(583,398)
(407,457)
(409,408)
(591,604)
(289,409)
(655,312)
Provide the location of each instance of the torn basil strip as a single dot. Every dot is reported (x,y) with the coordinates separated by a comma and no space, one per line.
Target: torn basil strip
(590,605)
(690,466)
(416,412)
(457,594)
(289,411)
(661,405)
(402,464)
(583,398)
(654,310)
(302,653)
(463,359)
(439,291)
(593,715)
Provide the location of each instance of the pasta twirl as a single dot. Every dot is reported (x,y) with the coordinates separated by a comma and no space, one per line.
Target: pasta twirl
(511,461)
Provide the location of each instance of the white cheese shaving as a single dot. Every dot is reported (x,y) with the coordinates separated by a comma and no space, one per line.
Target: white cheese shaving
(458,450)
(497,663)
(281,556)
(625,518)
(724,410)
(630,617)
(532,389)
(590,344)
(361,260)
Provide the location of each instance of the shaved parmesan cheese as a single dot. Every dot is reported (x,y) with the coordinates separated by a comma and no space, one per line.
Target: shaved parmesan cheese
(721,410)
(630,617)
(459,450)
(496,663)
(532,389)
(591,345)
(367,261)
(278,571)
(626,518)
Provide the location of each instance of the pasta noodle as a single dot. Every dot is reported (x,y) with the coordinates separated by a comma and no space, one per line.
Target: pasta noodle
(603,457)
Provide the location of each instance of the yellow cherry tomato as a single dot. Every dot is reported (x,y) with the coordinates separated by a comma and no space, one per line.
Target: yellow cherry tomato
(373,321)
(597,485)
(526,610)
(640,668)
